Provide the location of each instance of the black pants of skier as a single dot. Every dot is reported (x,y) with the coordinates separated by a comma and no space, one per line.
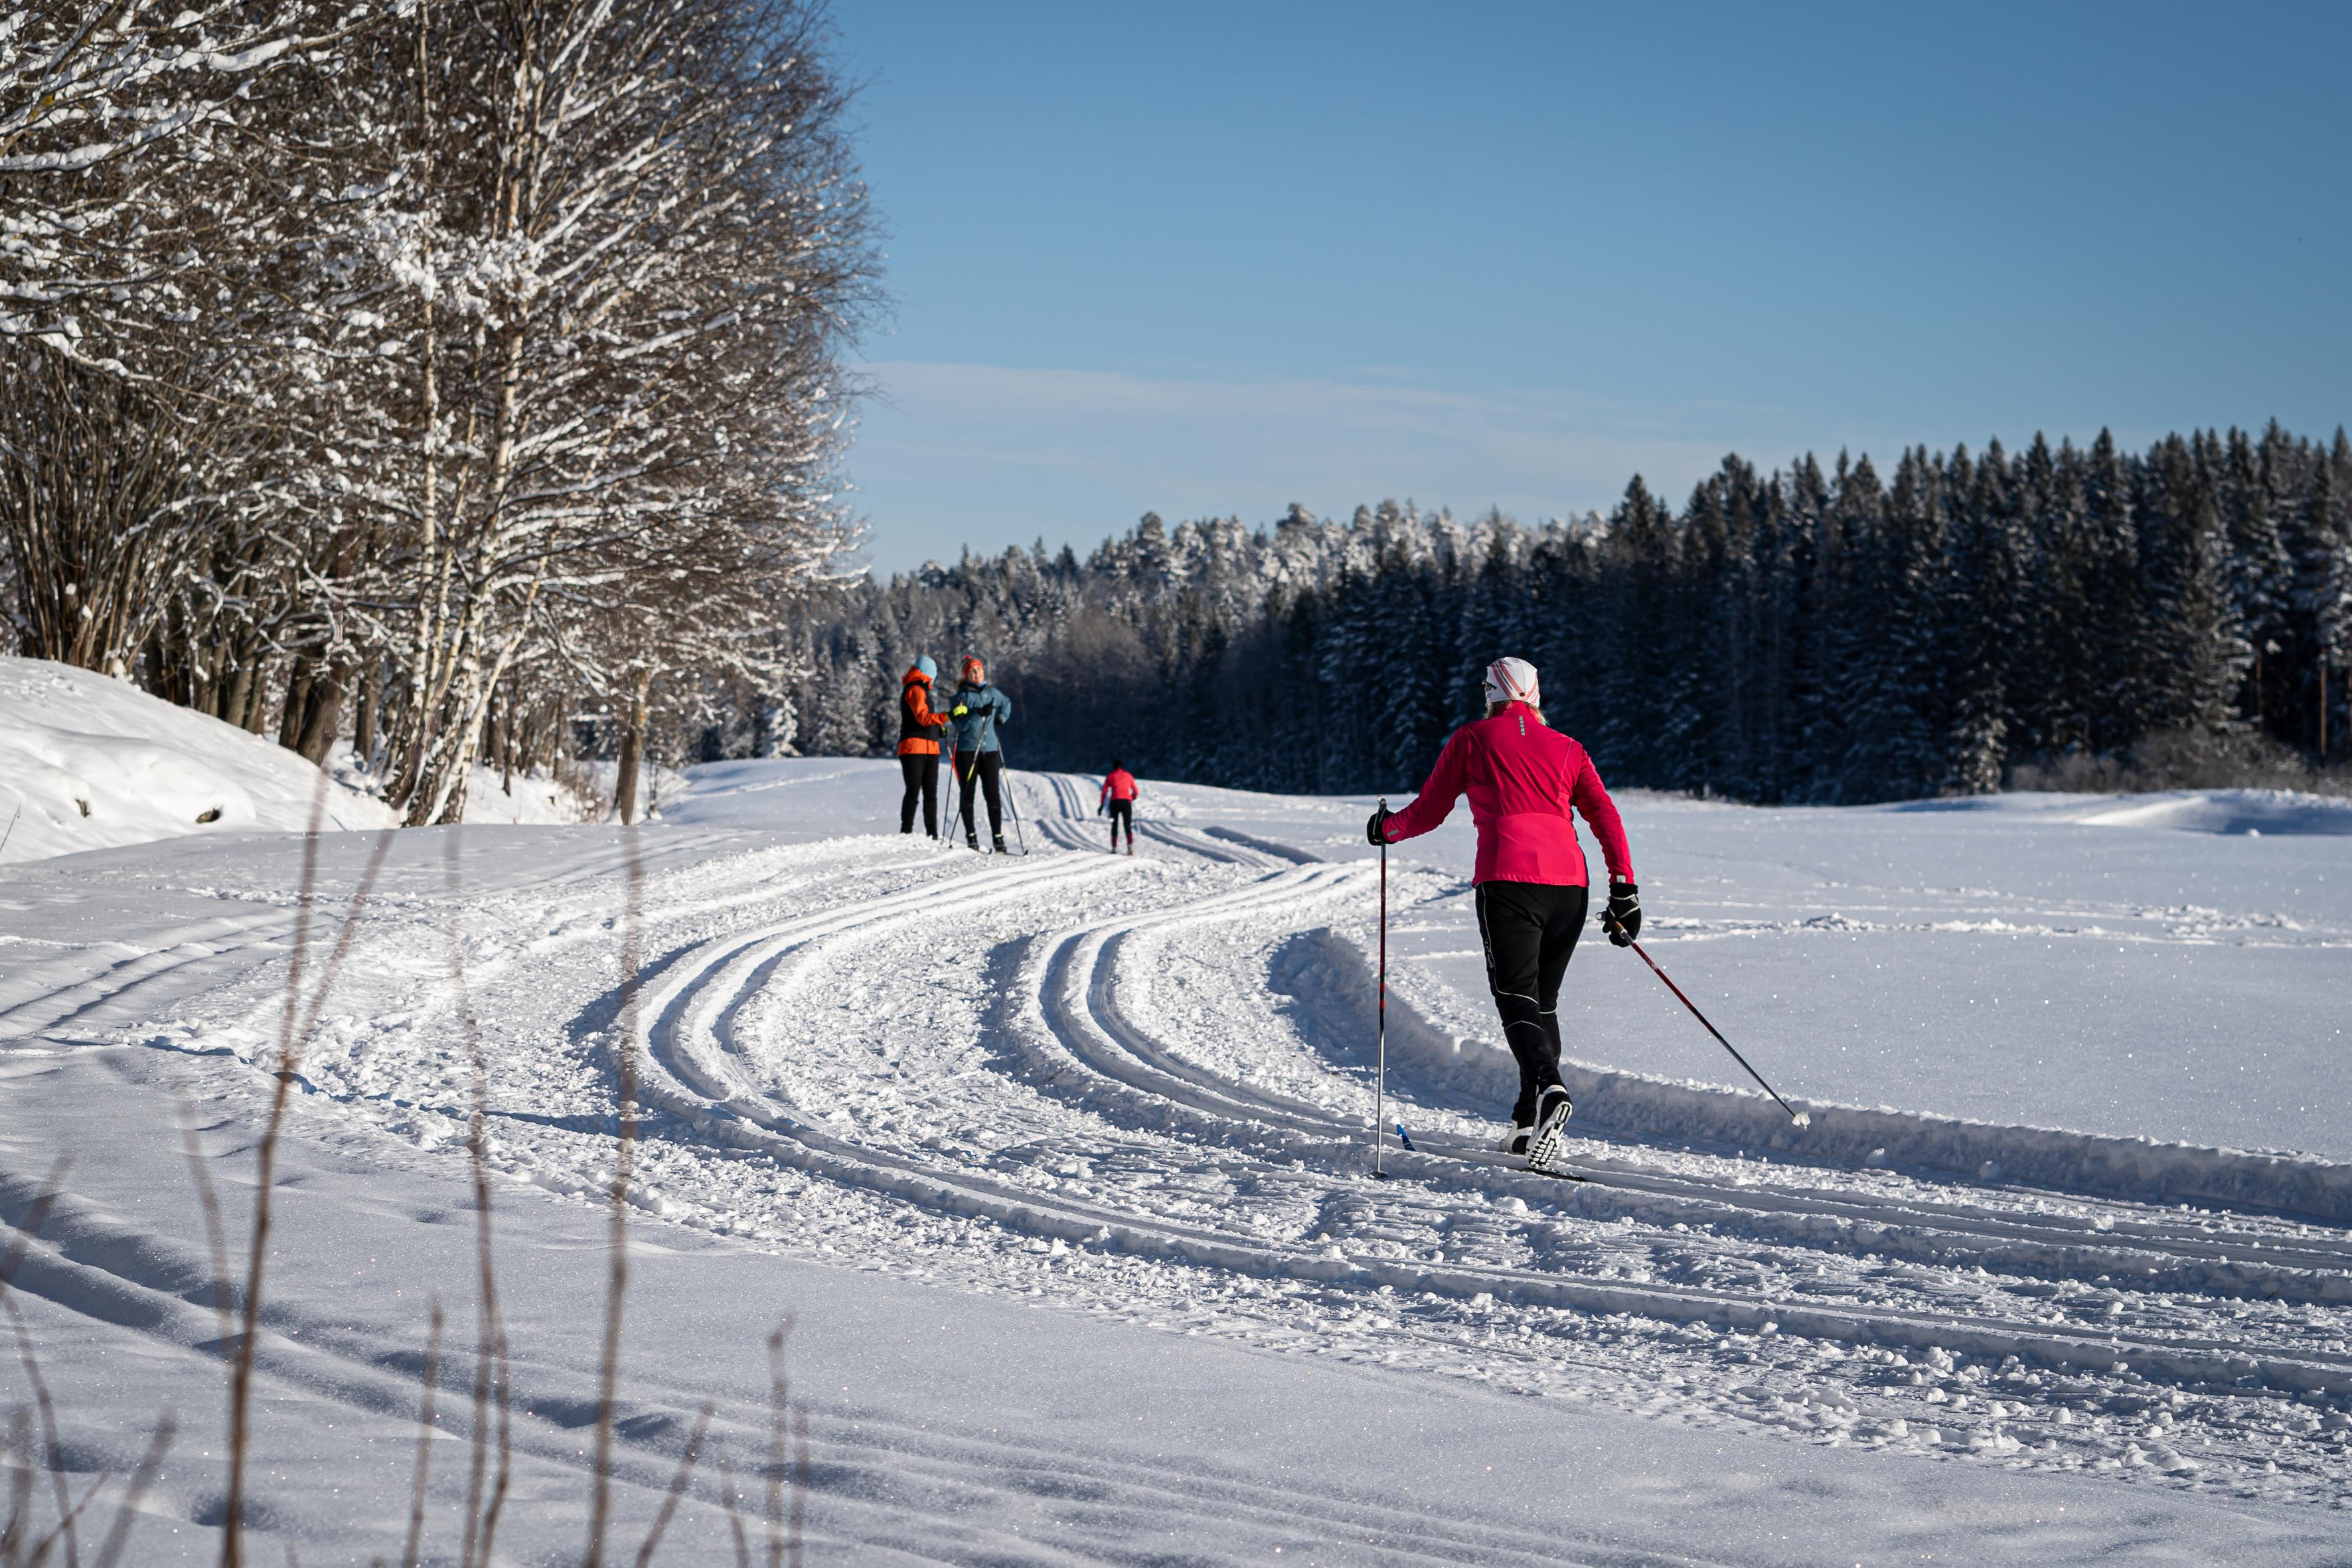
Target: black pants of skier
(1122,811)
(1529,930)
(922,775)
(985,768)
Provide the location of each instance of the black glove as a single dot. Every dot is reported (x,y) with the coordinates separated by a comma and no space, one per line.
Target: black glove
(1380,815)
(1622,921)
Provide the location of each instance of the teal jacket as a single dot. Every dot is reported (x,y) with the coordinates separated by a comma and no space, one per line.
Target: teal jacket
(984,707)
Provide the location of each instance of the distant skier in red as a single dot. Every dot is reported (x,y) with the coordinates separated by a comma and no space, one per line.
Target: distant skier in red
(1118,797)
(1523,777)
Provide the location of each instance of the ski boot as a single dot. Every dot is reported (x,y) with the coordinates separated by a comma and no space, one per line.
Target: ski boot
(1515,1140)
(1553,1109)
(971,840)
(997,841)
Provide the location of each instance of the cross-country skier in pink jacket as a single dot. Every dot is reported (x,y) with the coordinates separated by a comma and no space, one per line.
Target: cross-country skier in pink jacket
(1523,778)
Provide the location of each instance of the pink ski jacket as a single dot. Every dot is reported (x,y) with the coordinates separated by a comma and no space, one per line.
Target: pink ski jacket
(1522,777)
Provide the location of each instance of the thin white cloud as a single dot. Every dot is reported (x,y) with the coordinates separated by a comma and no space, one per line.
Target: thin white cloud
(952,455)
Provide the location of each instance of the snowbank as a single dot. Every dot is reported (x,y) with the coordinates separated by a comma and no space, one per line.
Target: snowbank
(87,762)
(1327,980)
(2254,811)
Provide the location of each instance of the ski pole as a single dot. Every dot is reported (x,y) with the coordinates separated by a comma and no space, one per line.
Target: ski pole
(1381,1029)
(955,796)
(1012,804)
(1799,1118)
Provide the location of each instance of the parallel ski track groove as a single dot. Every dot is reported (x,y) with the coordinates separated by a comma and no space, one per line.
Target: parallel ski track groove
(2281,1262)
(727,1110)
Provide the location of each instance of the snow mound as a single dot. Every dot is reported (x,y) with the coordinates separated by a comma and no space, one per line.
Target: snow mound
(2256,811)
(87,762)
(1328,978)
(2224,811)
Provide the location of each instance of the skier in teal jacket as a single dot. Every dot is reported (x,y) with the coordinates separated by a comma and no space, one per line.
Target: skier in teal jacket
(976,710)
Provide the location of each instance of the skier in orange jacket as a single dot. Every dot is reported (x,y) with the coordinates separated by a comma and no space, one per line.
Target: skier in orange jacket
(919,747)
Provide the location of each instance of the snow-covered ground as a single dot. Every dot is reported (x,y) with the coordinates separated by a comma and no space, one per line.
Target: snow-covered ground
(1058,1164)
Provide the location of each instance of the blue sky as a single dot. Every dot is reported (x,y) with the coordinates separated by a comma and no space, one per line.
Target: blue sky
(1212,259)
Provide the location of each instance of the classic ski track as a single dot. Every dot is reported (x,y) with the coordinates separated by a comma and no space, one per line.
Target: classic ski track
(1076,992)
(202,950)
(1151,1071)
(1069,831)
(2290,1262)
(1085,1048)
(204,942)
(323,1358)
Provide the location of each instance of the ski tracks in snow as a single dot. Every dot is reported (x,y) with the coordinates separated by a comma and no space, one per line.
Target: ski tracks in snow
(1142,1103)
(1140,1087)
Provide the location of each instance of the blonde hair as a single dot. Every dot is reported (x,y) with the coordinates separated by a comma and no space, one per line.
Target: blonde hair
(1495,710)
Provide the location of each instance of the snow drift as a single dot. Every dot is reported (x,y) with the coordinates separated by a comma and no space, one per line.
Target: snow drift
(87,762)
(1328,981)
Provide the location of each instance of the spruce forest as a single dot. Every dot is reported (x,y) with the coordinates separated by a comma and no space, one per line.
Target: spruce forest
(2064,617)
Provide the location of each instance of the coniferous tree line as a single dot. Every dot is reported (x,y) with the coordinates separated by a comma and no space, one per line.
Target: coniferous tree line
(424,371)
(1817,633)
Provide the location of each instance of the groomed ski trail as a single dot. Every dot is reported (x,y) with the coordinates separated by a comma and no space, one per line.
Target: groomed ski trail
(1141,1121)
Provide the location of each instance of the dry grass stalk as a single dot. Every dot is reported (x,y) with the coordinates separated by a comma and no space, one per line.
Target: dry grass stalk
(608,1370)
(797,1528)
(13,1552)
(208,1203)
(20,1488)
(678,1481)
(126,1512)
(293,1038)
(729,1496)
(490,1334)
(779,1404)
(53,1450)
(35,1217)
(424,1440)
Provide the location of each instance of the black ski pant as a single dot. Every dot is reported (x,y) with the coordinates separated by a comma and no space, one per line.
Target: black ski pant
(1122,811)
(922,775)
(1529,930)
(985,768)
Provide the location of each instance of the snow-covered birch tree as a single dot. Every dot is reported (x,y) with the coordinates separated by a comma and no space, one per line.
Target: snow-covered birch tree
(597,381)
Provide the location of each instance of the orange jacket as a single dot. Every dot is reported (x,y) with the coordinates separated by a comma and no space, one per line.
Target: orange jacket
(915,717)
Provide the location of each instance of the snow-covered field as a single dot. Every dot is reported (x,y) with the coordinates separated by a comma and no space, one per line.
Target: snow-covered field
(1057,1164)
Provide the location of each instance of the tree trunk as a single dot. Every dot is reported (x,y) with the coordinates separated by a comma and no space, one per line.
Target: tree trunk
(323,716)
(507,733)
(632,751)
(295,714)
(257,695)
(231,707)
(363,721)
